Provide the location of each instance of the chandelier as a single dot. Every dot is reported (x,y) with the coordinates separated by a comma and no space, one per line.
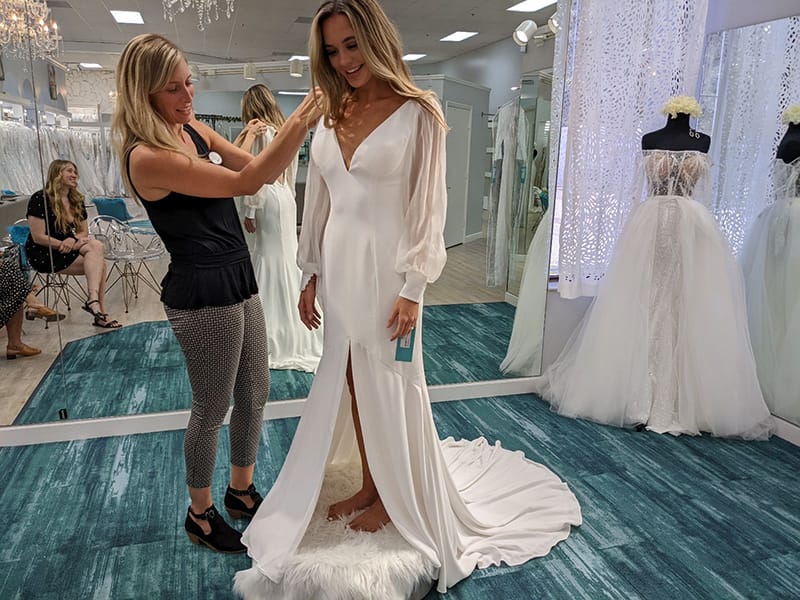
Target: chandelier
(205,9)
(25,31)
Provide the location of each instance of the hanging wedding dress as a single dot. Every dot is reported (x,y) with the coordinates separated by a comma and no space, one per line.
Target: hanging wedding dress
(273,250)
(771,262)
(665,342)
(370,233)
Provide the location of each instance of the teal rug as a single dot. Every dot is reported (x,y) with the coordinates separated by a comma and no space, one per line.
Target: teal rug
(140,368)
(665,518)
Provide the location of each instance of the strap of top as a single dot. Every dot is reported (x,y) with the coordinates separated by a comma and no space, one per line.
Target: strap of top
(199,144)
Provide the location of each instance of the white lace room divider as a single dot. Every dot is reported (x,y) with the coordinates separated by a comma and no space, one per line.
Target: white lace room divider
(750,76)
(624,60)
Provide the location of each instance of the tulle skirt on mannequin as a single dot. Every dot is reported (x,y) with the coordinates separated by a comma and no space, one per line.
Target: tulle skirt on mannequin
(665,342)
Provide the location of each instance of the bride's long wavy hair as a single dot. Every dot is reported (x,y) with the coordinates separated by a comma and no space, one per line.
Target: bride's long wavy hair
(382,49)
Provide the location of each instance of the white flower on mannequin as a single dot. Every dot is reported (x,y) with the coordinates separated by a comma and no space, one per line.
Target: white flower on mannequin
(791,115)
(682,104)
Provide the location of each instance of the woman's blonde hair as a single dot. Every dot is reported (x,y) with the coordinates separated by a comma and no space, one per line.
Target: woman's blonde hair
(144,68)
(382,49)
(259,103)
(52,193)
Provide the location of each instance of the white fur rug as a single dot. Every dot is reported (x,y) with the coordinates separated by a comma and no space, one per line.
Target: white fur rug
(334,562)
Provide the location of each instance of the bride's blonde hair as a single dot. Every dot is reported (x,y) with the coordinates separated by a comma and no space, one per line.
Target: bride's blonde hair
(382,49)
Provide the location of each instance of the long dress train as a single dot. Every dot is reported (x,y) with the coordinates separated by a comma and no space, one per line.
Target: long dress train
(771,263)
(370,233)
(665,342)
(273,250)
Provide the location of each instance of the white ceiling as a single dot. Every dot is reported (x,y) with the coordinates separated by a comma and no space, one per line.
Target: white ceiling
(260,31)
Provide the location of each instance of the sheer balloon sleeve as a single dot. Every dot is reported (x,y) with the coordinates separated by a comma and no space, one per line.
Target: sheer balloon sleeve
(316,209)
(257,200)
(421,254)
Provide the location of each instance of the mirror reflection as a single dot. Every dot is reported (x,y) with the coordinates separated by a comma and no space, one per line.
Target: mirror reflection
(751,102)
(104,319)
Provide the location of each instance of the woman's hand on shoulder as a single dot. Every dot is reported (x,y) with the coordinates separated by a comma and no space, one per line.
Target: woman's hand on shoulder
(404,316)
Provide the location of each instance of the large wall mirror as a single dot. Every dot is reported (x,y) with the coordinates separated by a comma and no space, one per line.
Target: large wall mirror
(751,75)
(497,230)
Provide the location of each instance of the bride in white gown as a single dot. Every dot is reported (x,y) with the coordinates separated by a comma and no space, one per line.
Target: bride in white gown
(372,238)
(269,218)
(665,342)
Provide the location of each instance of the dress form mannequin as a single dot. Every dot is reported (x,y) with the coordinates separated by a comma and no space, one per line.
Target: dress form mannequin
(676,135)
(789,148)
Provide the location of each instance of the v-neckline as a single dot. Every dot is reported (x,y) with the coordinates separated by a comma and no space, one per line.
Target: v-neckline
(345,164)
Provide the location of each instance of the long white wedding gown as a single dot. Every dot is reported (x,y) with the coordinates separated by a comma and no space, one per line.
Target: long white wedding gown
(273,251)
(370,233)
(771,263)
(665,342)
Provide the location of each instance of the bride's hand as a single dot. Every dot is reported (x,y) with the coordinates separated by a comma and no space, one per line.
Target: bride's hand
(309,314)
(404,314)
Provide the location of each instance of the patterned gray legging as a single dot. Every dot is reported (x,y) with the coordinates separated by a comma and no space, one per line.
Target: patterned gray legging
(226,356)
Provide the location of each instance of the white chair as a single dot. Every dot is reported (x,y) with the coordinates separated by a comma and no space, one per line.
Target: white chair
(129,249)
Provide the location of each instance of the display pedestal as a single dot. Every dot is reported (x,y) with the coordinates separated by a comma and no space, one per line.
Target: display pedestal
(335,563)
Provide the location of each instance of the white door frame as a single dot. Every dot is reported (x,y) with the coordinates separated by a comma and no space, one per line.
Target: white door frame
(468,107)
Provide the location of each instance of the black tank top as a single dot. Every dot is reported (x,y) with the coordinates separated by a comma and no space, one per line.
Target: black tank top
(210,263)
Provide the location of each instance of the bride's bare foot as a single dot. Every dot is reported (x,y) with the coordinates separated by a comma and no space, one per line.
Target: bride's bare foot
(361,500)
(372,519)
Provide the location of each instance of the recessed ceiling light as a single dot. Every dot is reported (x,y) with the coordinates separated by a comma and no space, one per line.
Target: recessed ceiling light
(530,5)
(298,57)
(90,66)
(458,36)
(128,17)
(410,57)
(282,93)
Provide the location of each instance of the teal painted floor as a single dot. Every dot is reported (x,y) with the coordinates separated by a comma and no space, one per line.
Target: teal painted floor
(664,518)
(140,368)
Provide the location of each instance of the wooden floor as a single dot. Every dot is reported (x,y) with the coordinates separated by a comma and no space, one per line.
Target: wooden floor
(462,281)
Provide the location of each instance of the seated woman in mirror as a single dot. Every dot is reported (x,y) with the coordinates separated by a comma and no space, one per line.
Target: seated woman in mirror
(59,240)
(270,217)
(665,344)
(771,262)
(371,240)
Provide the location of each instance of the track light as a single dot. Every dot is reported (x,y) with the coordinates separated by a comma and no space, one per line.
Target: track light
(296,67)
(553,23)
(249,71)
(524,32)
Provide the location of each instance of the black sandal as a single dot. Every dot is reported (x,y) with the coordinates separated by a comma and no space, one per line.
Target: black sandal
(100,319)
(236,508)
(222,537)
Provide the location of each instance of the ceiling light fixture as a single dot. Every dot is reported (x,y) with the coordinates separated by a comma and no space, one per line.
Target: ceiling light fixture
(90,66)
(524,32)
(459,36)
(553,23)
(296,67)
(410,57)
(249,71)
(282,93)
(530,5)
(205,10)
(298,57)
(25,31)
(127,17)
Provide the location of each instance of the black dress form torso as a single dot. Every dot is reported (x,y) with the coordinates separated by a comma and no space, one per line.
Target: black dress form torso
(789,148)
(676,136)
